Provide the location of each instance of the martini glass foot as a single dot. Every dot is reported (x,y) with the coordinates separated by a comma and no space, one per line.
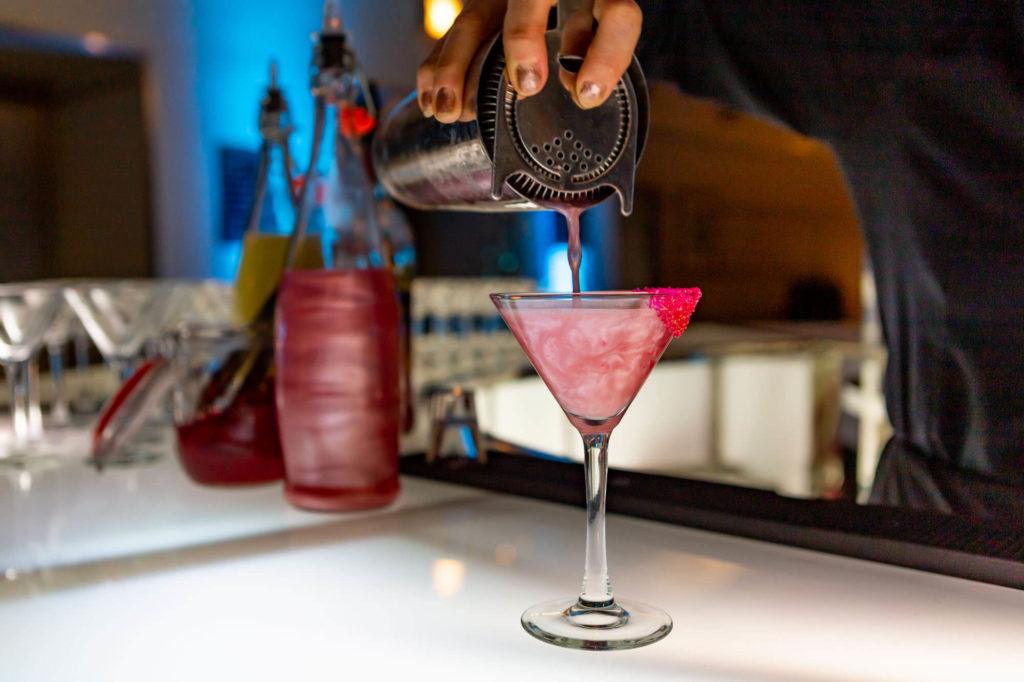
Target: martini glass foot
(622,624)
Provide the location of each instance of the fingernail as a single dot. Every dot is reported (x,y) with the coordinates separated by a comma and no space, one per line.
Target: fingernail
(590,94)
(445,101)
(528,78)
(427,102)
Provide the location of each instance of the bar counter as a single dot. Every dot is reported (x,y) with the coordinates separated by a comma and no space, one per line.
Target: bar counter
(137,574)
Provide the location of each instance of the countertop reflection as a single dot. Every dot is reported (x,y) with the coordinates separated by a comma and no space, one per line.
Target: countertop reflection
(138,574)
(71,514)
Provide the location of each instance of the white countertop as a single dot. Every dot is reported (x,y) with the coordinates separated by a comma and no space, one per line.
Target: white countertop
(140,575)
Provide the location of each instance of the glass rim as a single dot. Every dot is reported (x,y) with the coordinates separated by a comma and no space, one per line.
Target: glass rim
(209,330)
(89,282)
(71,282)
(12,288)
(568,296)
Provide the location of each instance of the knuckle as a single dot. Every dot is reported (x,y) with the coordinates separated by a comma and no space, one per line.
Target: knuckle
(624,11)
(450,76)
(425,72)
(522,30)
(520,36)
(605,67)
(470,19)
(450,65)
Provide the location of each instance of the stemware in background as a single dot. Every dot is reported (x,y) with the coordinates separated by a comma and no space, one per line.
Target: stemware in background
(226,432)
(56,339)
(204,302)
(26,312)
(86,399)
(215,302)
(35,409)
(594,352)
(122,315)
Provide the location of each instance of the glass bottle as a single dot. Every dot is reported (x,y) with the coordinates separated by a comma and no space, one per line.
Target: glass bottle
(337,328)
(272,216)
(226,422)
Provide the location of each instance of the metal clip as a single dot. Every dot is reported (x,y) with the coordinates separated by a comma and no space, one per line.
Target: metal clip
(455,407)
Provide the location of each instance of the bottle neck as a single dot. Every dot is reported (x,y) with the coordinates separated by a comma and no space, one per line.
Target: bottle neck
(350,232)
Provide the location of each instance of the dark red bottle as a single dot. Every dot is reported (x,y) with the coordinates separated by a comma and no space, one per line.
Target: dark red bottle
(228,438)
(237,447)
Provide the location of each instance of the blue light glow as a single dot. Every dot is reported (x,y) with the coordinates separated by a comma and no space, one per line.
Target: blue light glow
(235,43)
(225,259)
(556,275)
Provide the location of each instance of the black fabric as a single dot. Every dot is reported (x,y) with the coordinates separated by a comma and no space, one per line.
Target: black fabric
(923,103)
(907,478)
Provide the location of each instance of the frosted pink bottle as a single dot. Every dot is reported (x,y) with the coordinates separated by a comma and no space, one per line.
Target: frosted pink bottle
(337,353)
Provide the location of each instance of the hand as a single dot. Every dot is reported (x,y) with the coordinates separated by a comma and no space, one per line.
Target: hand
(441,85)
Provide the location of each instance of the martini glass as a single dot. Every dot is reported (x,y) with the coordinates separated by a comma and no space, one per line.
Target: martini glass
(203,302)
(594,351)
(55,339)
(121,315)
(26,312)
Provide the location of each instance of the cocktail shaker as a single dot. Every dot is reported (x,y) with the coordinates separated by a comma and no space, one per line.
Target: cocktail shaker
(519,153)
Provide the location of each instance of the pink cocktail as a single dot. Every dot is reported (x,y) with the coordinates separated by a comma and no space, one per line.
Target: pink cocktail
(337,337)
(593,360)
(594,351)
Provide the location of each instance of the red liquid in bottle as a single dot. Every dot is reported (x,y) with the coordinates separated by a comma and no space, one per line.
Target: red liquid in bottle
(337,351)
(239,446)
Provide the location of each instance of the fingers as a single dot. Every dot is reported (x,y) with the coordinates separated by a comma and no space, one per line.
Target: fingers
(425,81)
(610,53)
(525,51)
(441,84)
(472,83)
(577,34)
(441,79)
(471,30)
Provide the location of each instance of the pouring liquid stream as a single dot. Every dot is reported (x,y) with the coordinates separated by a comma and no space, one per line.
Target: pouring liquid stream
(571,213)
(574,250)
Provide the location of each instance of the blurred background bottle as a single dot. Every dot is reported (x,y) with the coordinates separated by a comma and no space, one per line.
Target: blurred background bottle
(337,330)
(225,409)
(272,217)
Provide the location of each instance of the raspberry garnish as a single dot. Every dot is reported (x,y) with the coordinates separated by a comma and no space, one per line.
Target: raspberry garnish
(674,306)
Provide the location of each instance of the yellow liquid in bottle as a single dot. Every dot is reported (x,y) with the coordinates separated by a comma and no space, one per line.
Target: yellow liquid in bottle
(262,265)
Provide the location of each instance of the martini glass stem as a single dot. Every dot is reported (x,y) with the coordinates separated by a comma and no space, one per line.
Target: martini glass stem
(17,377)
(597,588)
(60,412)
(35,410)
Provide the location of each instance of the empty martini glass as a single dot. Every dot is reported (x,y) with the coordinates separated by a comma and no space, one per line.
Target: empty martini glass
(203,302)
(55,339)
(121,315)
(26,312)
(594,351)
